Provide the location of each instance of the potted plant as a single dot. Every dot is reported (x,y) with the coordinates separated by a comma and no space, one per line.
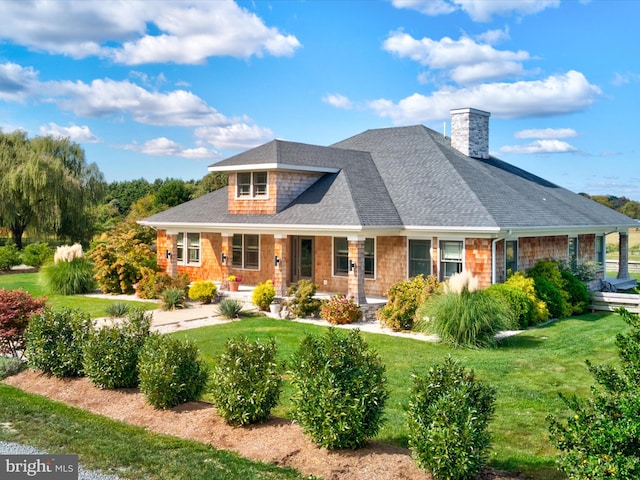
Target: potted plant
(275,307)
(234,281)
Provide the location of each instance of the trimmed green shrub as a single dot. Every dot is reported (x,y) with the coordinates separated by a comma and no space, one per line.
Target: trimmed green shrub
(55,340)
(468,319)
(36,254)
(110,354)
(9,257)
(303,304)
(173,299)
(170,371)
(11,366)
(540,311)
(404,298)
(448,416)
(74,277)
(553,297)
(230,308)
(339,389)
(340,310)
(551,287)
(601,436)
(246,381)
(519,305)
(16,306)
(263,295)
(203,291)
(579,297)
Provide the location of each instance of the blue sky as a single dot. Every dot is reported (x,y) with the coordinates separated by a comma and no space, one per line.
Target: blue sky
(160,89)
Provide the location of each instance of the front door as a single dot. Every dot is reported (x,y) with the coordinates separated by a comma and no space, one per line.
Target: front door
(301,258)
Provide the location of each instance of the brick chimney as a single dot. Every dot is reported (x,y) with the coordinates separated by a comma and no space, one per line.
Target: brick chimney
(470,132)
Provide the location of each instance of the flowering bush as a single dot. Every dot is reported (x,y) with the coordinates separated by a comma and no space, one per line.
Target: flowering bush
(340,310)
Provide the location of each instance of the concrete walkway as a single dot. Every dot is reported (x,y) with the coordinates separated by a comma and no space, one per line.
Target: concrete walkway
(198,315)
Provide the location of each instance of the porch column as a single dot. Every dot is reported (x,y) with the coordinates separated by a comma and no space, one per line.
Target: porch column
(226,249)
(623,255)
(171,254)
(356,274)
(280,267)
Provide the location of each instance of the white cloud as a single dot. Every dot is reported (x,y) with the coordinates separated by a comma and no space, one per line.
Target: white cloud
(547,133)
(338,101)
(106,97)
(16,82)
(493,37)
(184,32)
(111,98)
(478,10)
(483,10)
(467,60)
(555,95)
(428,7)
(620,79)
(239,136)
(163,147)
(540,147)
(79,134)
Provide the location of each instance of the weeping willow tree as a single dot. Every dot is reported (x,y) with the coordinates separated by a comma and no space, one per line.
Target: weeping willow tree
(47,187)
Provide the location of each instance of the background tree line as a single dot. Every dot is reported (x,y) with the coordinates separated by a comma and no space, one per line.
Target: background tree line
(48,191)
(630,208)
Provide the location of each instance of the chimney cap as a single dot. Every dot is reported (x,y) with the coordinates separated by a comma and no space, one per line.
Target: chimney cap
(454,111)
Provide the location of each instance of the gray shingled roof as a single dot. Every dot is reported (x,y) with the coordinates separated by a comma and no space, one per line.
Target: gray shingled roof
(402,177)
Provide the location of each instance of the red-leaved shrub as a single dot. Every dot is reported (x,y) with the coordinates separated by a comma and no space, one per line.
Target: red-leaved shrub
(16,307)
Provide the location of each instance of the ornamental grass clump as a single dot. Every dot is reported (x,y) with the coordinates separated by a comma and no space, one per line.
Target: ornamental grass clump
(448,416)
(170,371)
(71,272)
(230,308)
(340,389)
(464,317)
(246,381)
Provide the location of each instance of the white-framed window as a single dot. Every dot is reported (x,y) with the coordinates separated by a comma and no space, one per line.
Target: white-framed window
(601,250)
(246,251)
(341,257)
(419,257)
(251,184)
(451,256)
(188,248)
(510,256)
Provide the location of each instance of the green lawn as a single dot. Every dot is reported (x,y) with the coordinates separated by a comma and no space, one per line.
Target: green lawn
(527,370)
(96,307)
(118,448)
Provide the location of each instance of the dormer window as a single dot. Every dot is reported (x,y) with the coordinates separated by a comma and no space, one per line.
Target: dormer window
(251,185)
